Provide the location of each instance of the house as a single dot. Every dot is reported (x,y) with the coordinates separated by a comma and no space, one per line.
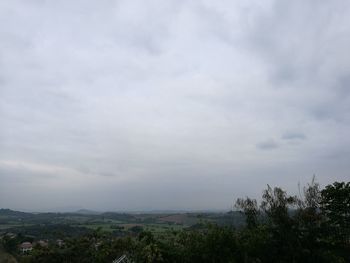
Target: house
(43,243)
(26,247)
(60,242)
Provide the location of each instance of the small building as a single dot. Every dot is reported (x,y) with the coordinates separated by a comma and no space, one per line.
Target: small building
(60,242)
(97,245)
(43,243)
(26,247)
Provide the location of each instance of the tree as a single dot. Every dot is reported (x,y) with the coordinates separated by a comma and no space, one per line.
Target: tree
(284,240)
(335,206)
(148,250)
(276,204)
(9,243)
(308,222)
(250,209)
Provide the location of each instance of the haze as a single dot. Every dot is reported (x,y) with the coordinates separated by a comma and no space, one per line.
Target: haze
(143,105)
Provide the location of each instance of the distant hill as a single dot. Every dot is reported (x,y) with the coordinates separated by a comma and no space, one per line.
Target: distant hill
(87,212)
(9,212)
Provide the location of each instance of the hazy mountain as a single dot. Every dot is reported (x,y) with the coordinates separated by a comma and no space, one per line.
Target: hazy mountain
(87,212)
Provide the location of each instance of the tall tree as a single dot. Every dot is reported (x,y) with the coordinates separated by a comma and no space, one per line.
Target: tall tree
(335,205)
(249,207)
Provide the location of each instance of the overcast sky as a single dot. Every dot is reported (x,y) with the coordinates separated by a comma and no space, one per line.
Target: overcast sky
(176,104)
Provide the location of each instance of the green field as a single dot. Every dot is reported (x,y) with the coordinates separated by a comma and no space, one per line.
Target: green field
(8,226)
(65,225)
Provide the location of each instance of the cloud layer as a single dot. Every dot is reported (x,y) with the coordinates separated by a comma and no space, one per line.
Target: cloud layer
(131,105)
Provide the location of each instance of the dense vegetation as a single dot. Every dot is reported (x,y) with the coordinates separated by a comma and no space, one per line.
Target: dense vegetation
(313,227)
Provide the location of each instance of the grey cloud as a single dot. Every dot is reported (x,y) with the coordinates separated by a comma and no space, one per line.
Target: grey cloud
(269,144)
(343,86)
(107,174)
(293,136)
(112,101)
(306,57)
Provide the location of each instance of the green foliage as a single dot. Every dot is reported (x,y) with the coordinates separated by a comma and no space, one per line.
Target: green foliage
(276,204)
(9,244)
(335,206)
(311,228)
(214,244)
(250,210)
(148,250)
(136,229)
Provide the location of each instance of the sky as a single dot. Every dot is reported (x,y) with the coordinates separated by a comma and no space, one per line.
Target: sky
(129,105)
